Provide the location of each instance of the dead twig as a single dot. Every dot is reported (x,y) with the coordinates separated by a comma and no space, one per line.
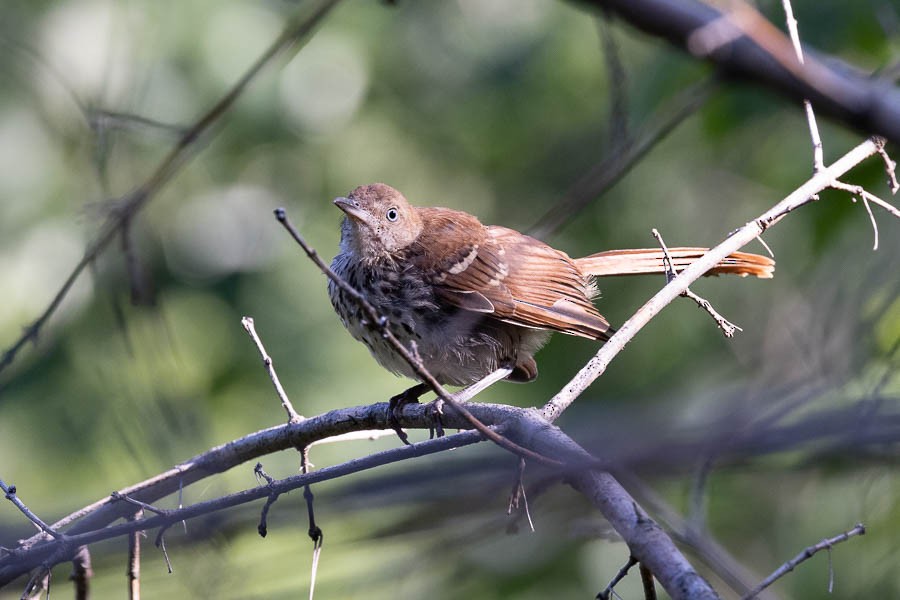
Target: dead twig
(9,492)
(728,328)
(518,497)
(742,236)
(794,34)
(293,416)
(610,591)
(134,560)
(805,555)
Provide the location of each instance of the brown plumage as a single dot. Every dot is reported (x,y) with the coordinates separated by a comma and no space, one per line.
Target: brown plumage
(474,297)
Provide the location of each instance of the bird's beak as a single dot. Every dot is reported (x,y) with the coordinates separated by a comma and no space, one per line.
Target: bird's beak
(351,208)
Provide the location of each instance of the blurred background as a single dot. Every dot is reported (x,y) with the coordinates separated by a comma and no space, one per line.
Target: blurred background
(773,440)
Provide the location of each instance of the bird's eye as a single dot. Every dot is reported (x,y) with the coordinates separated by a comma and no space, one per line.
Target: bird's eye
(392,214)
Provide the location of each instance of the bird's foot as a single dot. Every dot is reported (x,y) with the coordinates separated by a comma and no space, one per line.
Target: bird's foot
(436,412)
(396,404)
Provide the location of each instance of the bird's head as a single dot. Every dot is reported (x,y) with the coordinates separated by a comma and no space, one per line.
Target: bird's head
(379,221)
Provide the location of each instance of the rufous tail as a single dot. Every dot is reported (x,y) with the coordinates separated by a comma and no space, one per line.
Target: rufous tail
(650,260)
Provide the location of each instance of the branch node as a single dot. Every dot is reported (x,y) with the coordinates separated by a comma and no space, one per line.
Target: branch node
(728,328)
(607,593)
(148,507)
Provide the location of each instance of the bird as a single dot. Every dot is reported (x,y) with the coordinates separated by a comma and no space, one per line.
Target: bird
(472,298)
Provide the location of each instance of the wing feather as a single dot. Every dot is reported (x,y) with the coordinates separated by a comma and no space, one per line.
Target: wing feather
(499,271)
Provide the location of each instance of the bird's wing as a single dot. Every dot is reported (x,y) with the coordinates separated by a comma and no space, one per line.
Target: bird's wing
(513,277)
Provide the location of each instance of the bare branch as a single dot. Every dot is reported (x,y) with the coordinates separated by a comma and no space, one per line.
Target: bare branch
(862,193)
(597,365)
(293,416)
(645,538)
(30,555)
(619,576)
(161,544)
(134,560)
(10,493)
(868,104)
(652,547)
(728,328)
(518,497)
(805,555)
(891,168)
(818,152)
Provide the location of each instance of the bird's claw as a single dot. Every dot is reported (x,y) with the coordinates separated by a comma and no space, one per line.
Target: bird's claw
(436,412)
(395,408)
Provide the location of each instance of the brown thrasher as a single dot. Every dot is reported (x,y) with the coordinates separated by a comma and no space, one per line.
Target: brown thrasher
(474,298)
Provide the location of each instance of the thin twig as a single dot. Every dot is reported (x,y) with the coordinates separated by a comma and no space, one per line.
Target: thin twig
(518,497)
(861,192)
(10,494)
(806,554)
(866,198)
(161,544)
(728,328)
(318,542)
(134,560)
(141,505)
(314,531)
(760,239)
(127,206)
(891,168)
(865,202)
(262,528)
(293,416)
(381,323)
(794,34)
(619,576)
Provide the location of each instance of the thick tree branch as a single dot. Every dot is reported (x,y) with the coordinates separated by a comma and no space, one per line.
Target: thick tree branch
(526,427)
(870,105)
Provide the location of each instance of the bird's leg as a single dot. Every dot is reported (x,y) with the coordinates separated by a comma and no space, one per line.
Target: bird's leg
(396,404)
(436,407)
